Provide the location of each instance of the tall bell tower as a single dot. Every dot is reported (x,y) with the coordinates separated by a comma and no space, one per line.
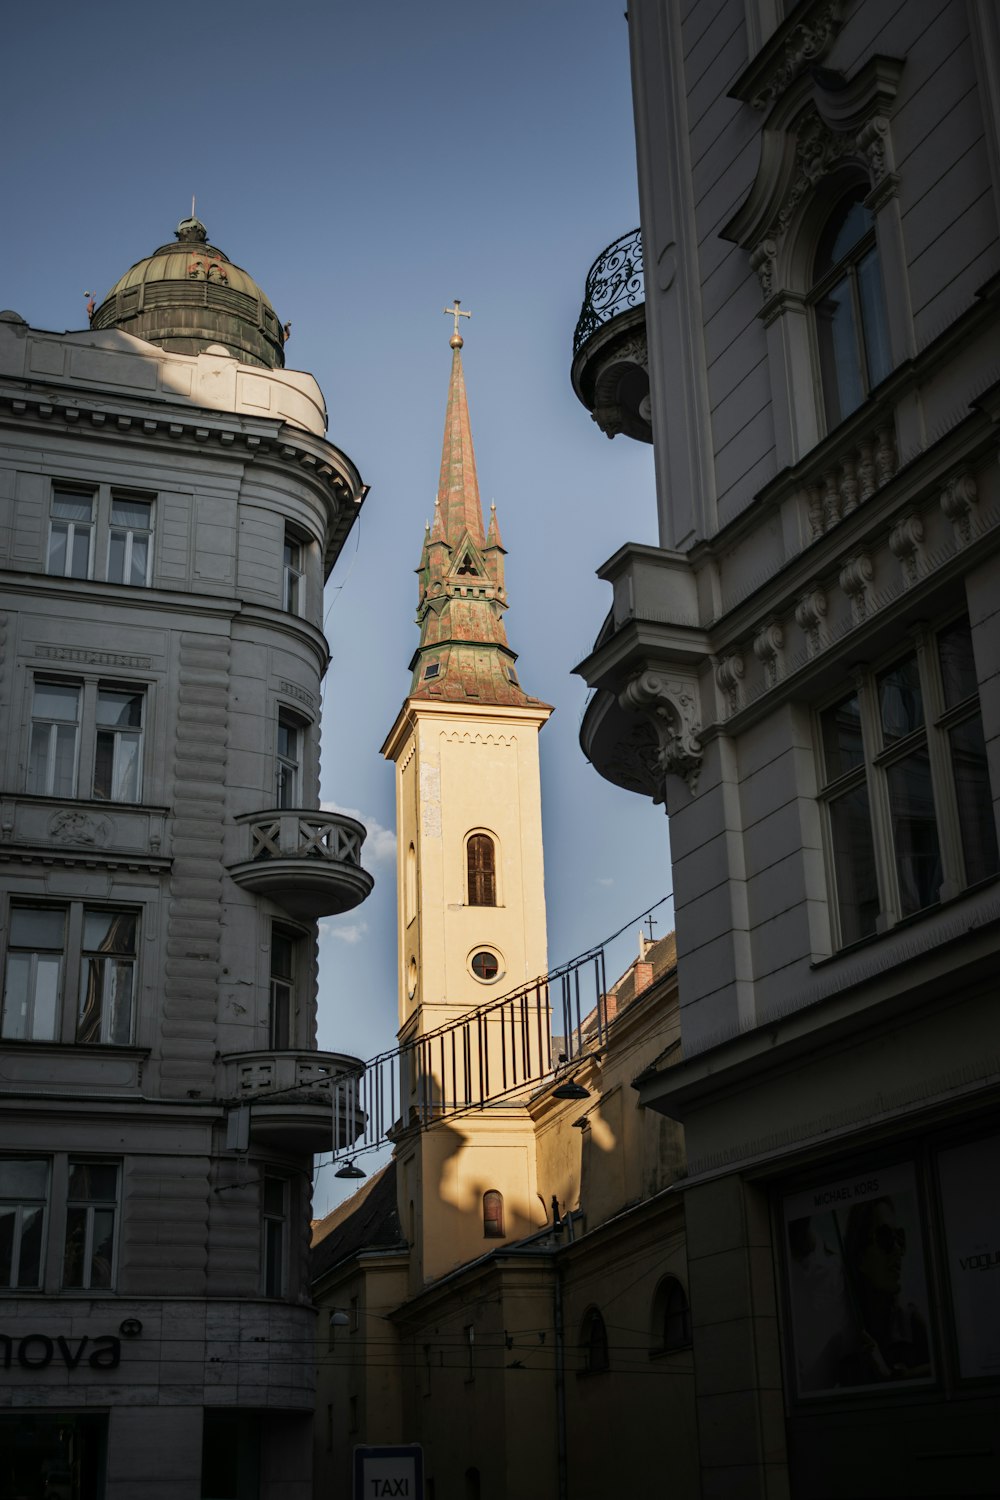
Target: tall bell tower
(471,897)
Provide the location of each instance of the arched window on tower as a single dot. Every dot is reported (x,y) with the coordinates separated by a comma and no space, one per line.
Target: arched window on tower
(482,867)
(411,884)
(493,1227)
(848,301)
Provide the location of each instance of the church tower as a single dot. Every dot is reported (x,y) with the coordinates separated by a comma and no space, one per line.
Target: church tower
(471,898)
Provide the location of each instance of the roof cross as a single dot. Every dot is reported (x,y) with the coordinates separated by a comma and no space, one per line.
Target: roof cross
(456,311)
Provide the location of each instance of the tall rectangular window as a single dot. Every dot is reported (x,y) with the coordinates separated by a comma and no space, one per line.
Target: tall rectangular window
(55,739)
(130,538)
(907,794)
(91,1216)
(282,989)
(100,534)
(289,769)
(107,977)
(33,979)
(274,1214)
(90,724)
(24,1186)
(293,575)
(118,753)
(71,534)
(45,943)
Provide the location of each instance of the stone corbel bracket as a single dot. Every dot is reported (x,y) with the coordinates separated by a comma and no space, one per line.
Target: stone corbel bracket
(669,701)
(821,120)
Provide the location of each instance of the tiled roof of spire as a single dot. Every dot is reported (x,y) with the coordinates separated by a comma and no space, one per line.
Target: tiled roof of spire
(463,654)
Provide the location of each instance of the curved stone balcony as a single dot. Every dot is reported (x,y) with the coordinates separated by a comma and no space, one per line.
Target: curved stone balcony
(295,1097)
(307,861)
(610,371)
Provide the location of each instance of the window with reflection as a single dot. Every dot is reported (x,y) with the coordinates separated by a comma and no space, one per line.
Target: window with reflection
(848,301)
(905,771)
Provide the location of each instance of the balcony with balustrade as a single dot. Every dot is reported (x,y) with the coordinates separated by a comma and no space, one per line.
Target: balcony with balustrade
(610,371)
(295,1101)
(307,861)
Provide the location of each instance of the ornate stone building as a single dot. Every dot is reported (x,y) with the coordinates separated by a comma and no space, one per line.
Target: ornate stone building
(169,510)
(805,672)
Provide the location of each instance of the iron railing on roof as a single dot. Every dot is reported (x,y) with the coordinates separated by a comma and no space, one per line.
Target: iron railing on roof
(615,283)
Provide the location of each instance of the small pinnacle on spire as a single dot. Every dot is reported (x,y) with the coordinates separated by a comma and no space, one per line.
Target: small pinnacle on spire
(455,311)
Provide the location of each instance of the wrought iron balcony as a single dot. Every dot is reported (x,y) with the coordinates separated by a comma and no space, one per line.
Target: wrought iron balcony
(610,372)
(308,861)
(300,1101)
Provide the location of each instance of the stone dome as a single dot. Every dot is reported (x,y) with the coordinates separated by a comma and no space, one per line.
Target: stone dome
(188,296)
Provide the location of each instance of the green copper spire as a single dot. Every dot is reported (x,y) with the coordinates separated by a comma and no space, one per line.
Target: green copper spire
(463,654)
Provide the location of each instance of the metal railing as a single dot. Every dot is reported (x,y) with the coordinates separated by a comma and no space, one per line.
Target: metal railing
(615,283)
(484,1057)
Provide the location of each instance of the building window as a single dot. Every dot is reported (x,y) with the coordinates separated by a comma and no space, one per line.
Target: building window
(274,1214)
(78,516)
(293,587)
(130,540)
(485,965)
(433,669)
(481,859)
(594,1343)
(107,977)
(118,753)
(411,884)
(848,301)
(55,738)
(24,1189)
(43,944)
(280,1015)
(71,534)
(493,1228)
(289,761)
(91,723)
(91,1216)
(671,1316)
(907,794)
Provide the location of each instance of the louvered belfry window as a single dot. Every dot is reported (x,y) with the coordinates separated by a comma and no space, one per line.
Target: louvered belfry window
(482,870)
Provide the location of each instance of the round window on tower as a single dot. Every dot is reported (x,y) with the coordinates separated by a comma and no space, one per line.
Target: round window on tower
(486,965)
(411,978)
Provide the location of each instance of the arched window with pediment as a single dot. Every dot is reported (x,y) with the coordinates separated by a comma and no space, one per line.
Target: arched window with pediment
(848,304)
(481,864)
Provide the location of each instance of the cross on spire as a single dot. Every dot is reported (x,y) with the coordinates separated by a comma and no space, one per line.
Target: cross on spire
(456,311)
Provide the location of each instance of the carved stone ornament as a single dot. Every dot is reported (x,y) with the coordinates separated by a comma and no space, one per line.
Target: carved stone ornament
(729,675)
(818,119)
(70,827)
(670,704)
(855,577)
(802,48)
(810,612)
(957,501)
(767,646)
(906,545)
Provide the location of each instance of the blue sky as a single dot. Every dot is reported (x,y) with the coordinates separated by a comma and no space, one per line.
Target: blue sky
(368,163)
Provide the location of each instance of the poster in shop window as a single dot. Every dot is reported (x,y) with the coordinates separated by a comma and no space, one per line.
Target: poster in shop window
(857,1283)
(970,1200)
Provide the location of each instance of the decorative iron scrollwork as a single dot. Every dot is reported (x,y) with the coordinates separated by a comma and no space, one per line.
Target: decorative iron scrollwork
(615,283)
